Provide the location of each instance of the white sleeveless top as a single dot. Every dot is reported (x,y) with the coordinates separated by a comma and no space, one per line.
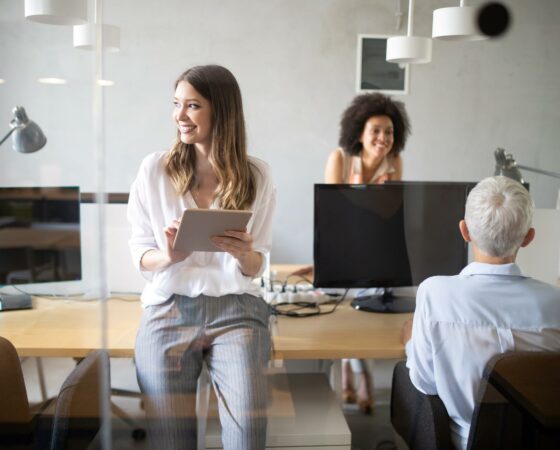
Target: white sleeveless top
(352,169)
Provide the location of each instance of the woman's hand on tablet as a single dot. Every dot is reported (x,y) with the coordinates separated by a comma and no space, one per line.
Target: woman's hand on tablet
(170,233)
(239,244)
(236,243)
(156,260)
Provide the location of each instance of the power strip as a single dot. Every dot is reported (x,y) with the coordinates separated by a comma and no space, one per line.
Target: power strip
(295,297)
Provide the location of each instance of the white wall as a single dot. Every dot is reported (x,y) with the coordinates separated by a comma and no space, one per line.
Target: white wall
(295,61)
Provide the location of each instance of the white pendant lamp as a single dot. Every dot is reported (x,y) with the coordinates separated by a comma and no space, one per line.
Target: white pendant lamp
(409,48)
(85,37)
(456,23)
(56,12)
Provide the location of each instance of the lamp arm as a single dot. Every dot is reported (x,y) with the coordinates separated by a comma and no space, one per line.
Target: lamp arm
(544,172)
(9,134)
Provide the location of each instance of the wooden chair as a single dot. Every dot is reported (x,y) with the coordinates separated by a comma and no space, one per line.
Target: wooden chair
(77,416)
(77,412)
(16,419)
(520,396)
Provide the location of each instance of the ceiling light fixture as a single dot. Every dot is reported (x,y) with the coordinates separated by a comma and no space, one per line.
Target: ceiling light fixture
(409,48)
(85,37)
(56,12)
(89,35)
(456,23)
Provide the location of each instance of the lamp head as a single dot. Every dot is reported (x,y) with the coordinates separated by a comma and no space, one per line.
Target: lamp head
(27,136)
(506,166)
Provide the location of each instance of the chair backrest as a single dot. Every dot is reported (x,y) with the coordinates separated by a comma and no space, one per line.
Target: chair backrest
(77,417)
(15,416)
(420,419)
(518,405)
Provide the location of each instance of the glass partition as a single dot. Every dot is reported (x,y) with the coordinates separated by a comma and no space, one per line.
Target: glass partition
(112,120)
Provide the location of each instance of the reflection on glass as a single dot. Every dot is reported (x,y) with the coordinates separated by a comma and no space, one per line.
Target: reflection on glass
(39,235)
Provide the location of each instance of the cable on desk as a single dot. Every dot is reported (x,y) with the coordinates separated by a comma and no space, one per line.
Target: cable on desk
(302,278)
(77,296)
(81,296)
(283,284)
(295,309)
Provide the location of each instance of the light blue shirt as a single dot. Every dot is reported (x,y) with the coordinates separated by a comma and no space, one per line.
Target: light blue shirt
(462,321)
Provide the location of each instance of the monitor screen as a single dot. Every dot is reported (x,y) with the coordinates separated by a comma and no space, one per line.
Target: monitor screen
(388,235)
(39,235)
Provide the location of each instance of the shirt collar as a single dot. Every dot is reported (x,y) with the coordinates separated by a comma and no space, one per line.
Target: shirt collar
(477,268)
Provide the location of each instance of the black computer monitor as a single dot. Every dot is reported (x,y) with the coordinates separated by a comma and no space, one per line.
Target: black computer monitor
(390,235)
(39,235)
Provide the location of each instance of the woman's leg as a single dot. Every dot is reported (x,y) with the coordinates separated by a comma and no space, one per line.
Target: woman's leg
(364,397)
(168,363)
(237,363)
(358,365)
(348,393)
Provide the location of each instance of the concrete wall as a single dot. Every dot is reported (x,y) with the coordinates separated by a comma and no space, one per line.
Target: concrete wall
(295,61)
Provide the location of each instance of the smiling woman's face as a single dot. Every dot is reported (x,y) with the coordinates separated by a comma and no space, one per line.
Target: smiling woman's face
(193,115)
(378,136)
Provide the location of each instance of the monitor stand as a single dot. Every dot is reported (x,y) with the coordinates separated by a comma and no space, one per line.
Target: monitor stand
(387,302)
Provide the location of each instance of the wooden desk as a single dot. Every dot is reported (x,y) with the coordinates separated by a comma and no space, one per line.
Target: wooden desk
(346,333)
(72,328)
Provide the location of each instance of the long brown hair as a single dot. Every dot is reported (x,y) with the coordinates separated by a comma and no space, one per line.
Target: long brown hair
(228,156)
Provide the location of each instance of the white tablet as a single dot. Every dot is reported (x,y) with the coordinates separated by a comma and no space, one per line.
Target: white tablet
(199,225)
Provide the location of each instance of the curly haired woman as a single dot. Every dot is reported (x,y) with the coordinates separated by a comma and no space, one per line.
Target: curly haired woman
(373,132)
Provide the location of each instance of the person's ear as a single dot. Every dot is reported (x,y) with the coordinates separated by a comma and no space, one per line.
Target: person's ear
(464,231)
(528,237)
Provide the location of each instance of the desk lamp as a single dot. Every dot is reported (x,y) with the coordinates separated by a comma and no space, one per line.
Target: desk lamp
(27,136)
(508,167)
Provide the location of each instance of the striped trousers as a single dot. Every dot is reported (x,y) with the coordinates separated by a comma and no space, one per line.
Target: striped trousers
(230,334)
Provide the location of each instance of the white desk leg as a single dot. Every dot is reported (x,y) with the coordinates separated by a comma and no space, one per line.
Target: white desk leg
(202,401)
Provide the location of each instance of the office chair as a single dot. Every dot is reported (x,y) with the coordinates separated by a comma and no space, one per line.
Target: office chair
(518,406)
(77,416)
(420,419)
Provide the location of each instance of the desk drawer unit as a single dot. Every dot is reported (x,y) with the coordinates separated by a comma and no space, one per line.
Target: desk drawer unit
(303,414)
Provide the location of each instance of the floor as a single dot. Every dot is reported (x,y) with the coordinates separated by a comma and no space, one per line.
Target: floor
(373,432)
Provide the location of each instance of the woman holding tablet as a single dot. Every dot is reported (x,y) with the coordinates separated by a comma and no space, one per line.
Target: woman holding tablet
(202,307)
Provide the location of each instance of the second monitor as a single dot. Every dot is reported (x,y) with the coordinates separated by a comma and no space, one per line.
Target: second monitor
(390,235)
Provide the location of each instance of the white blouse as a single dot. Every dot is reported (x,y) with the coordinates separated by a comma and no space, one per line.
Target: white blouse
(153,204)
